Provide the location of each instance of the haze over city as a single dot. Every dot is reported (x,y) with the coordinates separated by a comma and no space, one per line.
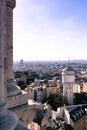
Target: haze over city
(50,30)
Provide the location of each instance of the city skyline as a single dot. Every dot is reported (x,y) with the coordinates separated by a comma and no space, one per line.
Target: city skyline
(50,30)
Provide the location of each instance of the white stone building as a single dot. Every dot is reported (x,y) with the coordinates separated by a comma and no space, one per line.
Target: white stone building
(76,88)
(37,93)
(68,79)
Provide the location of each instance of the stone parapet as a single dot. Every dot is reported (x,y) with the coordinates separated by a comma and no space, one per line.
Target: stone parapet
(17,100)
(26,113)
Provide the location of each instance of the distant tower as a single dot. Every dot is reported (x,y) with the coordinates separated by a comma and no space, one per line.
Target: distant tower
(21,63)
(68,79)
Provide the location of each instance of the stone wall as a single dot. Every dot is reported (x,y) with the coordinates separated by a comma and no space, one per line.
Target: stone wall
(26,113)
(17,100)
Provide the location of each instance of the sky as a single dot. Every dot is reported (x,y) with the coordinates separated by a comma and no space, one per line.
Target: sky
(50,30)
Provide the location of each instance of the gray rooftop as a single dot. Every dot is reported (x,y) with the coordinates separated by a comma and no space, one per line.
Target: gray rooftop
(77,111)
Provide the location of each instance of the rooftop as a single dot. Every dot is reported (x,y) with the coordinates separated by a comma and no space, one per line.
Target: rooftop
(68,68)
(77,111)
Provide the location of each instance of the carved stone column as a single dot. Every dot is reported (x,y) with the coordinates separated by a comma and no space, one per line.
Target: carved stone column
(9,76)
(8,120)
(2,41)
(10,4)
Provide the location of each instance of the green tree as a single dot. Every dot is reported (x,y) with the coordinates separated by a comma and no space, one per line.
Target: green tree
(79,97)
(18,74)
(26,73)
(29,79)
(22,84)
(56,100)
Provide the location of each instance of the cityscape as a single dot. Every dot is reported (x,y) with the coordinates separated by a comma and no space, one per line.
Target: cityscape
(39,88)
(61,84)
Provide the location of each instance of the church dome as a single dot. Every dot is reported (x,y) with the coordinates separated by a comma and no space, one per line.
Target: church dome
(13,90)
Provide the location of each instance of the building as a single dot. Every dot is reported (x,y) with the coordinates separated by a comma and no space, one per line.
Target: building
(76,116)
(76,88)
(21,63)
(37,93)
(68,79)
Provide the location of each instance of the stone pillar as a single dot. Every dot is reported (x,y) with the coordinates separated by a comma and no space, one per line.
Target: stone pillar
(9,76)
(2,36)
(5,116)
(10,4)
(8,120)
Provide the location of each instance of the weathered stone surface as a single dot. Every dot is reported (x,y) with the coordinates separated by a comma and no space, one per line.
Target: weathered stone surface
(8,120)
(9,43)
(2,37)
(20,127)
(11,3)
(8,56)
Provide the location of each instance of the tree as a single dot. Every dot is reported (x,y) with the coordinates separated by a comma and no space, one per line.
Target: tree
(18,74)
(29,79)
(79,97)
(56,100)
(22,84)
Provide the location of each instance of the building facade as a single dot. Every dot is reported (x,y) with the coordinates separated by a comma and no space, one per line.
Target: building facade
(37,93)
(68,79)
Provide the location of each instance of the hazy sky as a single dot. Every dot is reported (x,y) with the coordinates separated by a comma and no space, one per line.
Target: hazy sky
(50,29)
